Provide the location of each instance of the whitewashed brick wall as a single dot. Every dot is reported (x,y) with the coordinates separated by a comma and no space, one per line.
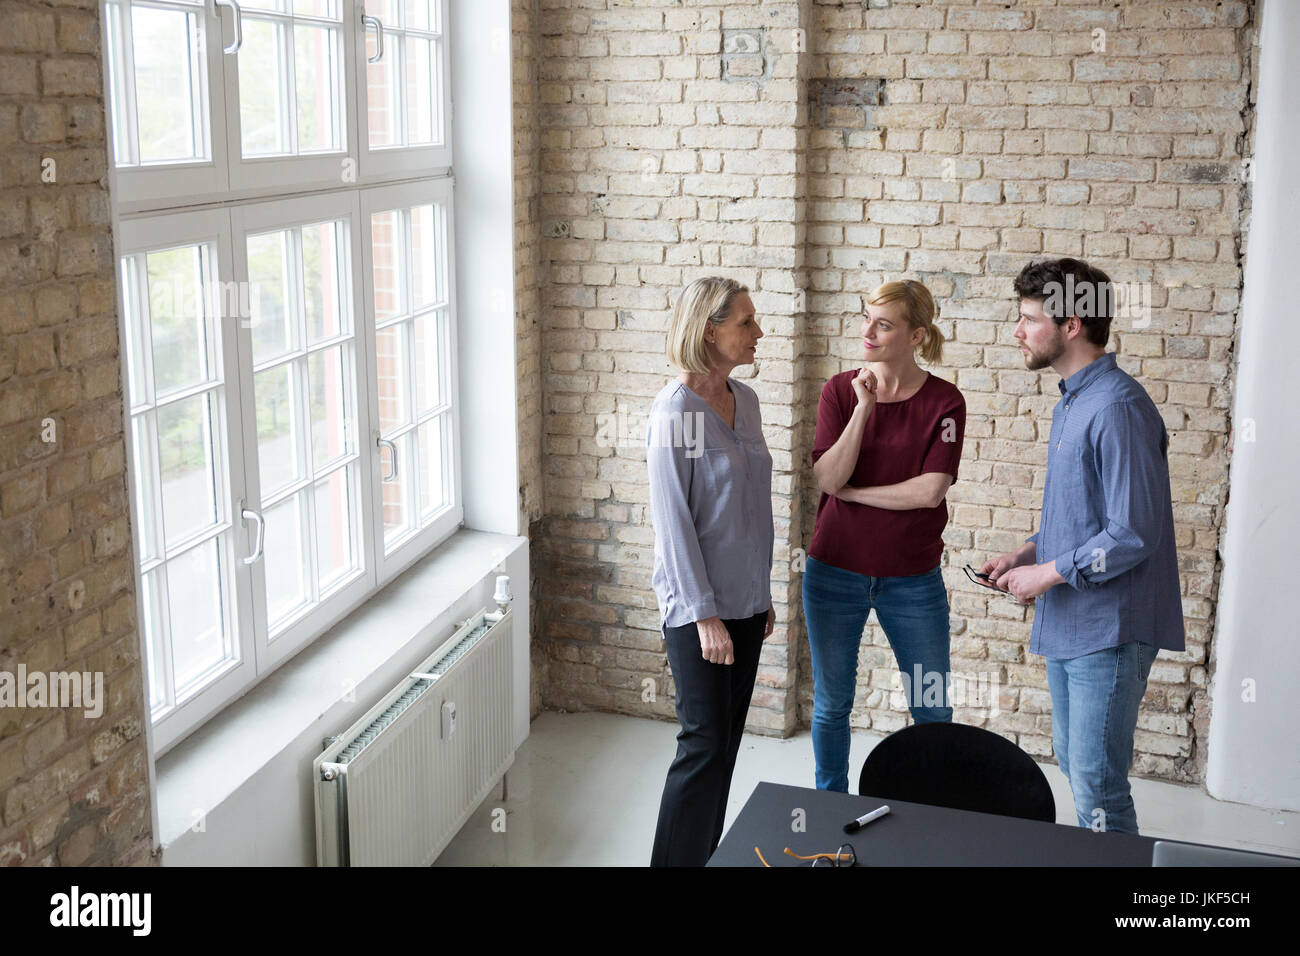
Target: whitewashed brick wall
(813,150)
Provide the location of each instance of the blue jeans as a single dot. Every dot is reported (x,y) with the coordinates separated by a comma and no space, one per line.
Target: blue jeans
(913,611)
(1095,702)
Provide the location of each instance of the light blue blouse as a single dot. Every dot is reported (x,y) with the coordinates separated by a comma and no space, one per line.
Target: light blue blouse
(710,506)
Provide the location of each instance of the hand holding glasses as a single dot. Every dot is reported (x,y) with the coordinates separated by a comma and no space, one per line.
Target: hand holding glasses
(986,581)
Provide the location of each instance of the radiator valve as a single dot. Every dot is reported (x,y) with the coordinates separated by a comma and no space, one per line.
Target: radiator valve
(503,596)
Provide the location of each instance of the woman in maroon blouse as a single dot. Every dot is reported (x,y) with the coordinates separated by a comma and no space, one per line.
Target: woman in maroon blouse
(889,438)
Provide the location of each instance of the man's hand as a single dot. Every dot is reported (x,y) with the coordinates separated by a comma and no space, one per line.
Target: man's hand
(771,622)
(715,641)
(1028,582)
(995,568)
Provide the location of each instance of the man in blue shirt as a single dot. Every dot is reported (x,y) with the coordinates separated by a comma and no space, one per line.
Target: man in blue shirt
(1102,568)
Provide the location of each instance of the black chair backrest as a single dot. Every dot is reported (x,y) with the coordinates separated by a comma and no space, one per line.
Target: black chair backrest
(958,766)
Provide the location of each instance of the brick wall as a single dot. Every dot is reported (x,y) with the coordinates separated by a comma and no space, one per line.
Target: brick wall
(813,150)
(673,146)
(74,789)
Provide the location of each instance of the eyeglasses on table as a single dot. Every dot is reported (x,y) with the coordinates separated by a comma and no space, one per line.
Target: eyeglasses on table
(844,856)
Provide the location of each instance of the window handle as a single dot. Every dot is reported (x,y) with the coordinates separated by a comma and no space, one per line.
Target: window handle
(368,21)
(238,19)
(386,443)
(250,515)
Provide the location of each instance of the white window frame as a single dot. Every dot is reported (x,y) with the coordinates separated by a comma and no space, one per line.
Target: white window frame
(144,183)
(226,174)
(220,200)
(163,232)
(417,542)
(316,168)
(309,623)
(404,160)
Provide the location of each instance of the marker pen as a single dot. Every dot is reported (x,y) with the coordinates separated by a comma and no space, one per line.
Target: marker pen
(866,818)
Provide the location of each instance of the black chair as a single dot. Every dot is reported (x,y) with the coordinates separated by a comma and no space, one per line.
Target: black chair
(958,766)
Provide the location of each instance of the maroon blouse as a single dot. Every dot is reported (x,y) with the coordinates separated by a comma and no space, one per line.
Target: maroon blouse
(901,440)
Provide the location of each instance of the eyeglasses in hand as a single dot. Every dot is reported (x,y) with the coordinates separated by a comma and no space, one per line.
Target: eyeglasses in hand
(985,581)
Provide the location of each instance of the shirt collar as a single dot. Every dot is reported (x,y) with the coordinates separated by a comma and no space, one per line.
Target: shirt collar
(1087,375)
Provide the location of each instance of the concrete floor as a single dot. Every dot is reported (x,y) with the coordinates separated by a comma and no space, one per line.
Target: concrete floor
(584,791)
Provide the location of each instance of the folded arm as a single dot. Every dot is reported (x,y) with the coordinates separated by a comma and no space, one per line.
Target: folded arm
(836,464)
(923,491)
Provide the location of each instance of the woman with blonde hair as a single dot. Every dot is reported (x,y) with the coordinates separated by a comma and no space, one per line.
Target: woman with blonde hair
(889,438)
(711,509)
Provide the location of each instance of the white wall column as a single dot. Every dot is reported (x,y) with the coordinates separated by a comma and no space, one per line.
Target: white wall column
(483,166)
(1254,743)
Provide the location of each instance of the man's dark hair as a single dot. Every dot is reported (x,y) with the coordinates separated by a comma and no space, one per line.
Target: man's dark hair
(1071,287)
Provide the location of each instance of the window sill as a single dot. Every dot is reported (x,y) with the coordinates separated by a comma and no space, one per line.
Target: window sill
(323,689)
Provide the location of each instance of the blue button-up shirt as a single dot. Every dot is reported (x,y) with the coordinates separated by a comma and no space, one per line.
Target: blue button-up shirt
(711,507)
(1107,522)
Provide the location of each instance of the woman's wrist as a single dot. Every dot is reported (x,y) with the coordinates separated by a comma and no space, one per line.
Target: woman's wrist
(851,493)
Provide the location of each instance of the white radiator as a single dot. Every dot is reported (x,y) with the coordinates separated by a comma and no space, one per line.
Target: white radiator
(396,786)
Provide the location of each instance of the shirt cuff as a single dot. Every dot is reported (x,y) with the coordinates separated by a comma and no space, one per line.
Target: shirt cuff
(706,608)
(1066,569)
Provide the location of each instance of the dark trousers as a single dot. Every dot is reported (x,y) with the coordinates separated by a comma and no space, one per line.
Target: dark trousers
(712,701)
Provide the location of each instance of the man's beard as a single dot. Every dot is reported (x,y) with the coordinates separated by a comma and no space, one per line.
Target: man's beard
(1040,360)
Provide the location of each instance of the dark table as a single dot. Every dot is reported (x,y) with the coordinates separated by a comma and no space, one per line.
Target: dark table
(912,834)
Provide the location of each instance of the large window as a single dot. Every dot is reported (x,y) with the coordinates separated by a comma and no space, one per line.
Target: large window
(289,321)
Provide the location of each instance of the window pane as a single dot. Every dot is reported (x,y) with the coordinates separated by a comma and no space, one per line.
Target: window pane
(278,430)
(194,594)
(133,320)
(385,10)
(178,289)
(268,276)
(334,546)
(382,118)
(118,104)
(278,6)
(433,490)
(324,266)
(168,70)
(187,460)
(316,8)
(397,514)
(388,268)
(418,15)
(390,362)
(155,630)
(422,124)
(285,559)
(331,418)
(263,90)
(316,72)
(429,349)
(427,251)
(148,541)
